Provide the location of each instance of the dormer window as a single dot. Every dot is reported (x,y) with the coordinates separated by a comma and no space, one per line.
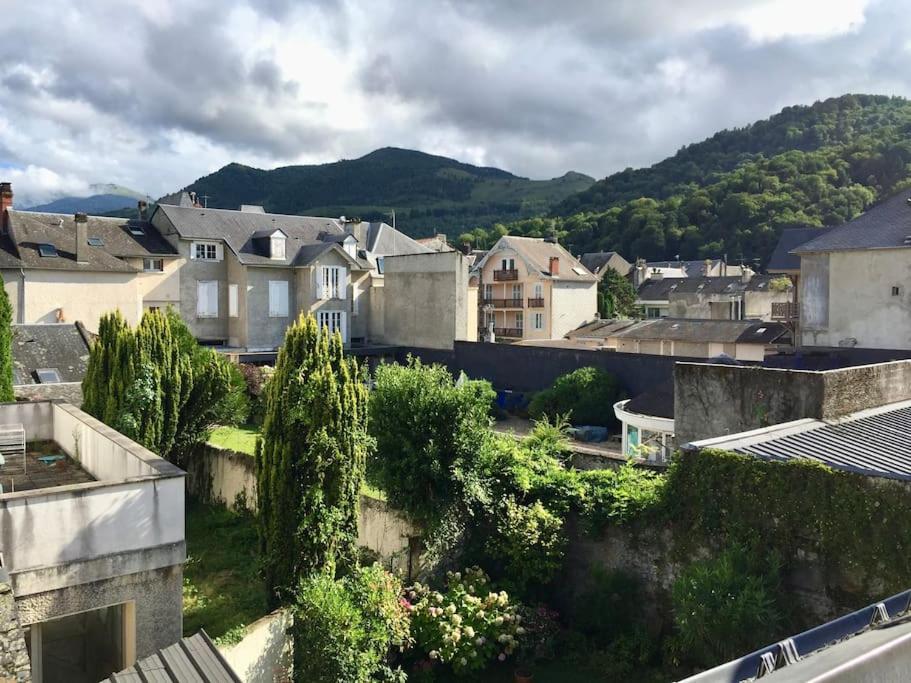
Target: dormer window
(350,245)
(277,247)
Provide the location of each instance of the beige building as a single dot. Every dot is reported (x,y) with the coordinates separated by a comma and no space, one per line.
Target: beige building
(531,288)
(742,297)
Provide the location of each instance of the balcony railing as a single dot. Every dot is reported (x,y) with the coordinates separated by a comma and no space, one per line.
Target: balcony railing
(785,310)
(504,303)
(507,331)
(505,275)
(536,303)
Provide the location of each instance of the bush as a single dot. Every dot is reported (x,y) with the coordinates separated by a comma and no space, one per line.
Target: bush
(617,496)
(255,377)
(725,607)
(610,607)
(467,626)
(586,396)
(344,629)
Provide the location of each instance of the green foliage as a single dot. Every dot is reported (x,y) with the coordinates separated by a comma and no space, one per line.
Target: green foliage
(344,628)
(468,625)
(430,432)
(609,607)
(111,369)
(620,496)
(586,396)
(310,462)
(616,295)
(6,349)
(725,606)
(780,284)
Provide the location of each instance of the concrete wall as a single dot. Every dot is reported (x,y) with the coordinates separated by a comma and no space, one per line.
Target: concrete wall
(846,299)
(82,296)
(376,326)
(192,272)
(265,331)
(264,653)
(717,400)
(572,304)
(14,662)
(159,289)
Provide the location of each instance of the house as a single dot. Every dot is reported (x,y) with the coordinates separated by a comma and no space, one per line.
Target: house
(853,289)
(533,288)
(784,263)
(92,538)
(49,361)
(742,297)
(438,242)
(58,268)
(597,261)
(247,274)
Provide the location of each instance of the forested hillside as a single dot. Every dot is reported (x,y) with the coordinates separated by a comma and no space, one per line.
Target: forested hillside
(733,193)
(428,193)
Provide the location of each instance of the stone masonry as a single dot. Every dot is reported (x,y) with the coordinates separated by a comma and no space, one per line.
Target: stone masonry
(14,663)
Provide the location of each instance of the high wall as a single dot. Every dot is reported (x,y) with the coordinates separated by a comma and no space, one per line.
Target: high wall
(14,662)
(717,400)
(79,296)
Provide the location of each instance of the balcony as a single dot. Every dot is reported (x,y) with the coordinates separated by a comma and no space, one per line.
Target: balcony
(785,310)
(503,303)
(508,332)
(505,275)
(536,303)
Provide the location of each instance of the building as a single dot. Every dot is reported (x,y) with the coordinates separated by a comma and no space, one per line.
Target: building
(62,268)
(597,261)
(532,288)
(743,297)
(853,289)
(438,242)
(647,425)
(49,361)
(784,263)
(92,537)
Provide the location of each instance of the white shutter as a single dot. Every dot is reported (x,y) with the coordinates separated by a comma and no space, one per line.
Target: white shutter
(342,283)
(343,327)
(213,299)
(202,294)
(320,287)
(192,251)
(232,301)
(219,252)
(278,298)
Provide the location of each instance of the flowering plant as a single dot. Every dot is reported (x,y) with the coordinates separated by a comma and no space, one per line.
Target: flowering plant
(468,625)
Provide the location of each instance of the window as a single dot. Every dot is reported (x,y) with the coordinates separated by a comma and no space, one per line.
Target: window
(152,265)
(47,250)
(539,291)
(508,264)
(519,320)
(331,282)
(277,247)
(95,242)
(380,265)
(334,321)
(579,271)
(653,313)
(539,321)
(896,291)
(204,251)
(137,230)
(516,292)
(48,375)
(350,245)
(207,299)
(278,299)
(232,301)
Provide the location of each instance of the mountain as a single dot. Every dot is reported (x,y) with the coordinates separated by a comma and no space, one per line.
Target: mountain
(104,199)
(428,193)
(808,166)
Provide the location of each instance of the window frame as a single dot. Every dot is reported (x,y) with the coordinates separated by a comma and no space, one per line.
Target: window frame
(206,247)
(146,260)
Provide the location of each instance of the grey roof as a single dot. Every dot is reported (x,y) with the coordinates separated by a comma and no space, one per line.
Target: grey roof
(661,289)
(63,346)
(873,442)
(600,329)
(884,226)
(782,259)
(658,402)
(538,252)
(869,644)
(384,240)
(190,660)
(694,330)
(179,198)
(28,230)
(693,268)
(596,260)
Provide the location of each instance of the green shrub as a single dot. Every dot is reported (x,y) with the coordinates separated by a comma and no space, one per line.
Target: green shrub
(344,629)
(609,607)
(468,626)
(586,395)
(618,496)
(725,607)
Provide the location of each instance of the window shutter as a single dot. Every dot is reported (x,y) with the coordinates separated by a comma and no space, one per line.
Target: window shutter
(343,327)
(201,298)
(232,301)
(213,298)
(342,283)
(318,272)
(219,252)
(192,251)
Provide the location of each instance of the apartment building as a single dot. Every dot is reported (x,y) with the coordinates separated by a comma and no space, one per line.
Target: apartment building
(742,297)
(533,288)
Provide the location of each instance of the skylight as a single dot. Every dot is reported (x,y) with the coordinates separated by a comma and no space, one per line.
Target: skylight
(137,230)
(96,242)
(48,375)
(47,250)
(578,271)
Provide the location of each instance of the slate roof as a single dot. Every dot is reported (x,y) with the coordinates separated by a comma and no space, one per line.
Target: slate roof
(63,346)
(874,442)
(28,230)
(190,660)
(695,330)
(884,226)
(661,289)
(596,260)
(691,268)
(538,252)
(782,259)
(600,329)
(658,403)
(384,240)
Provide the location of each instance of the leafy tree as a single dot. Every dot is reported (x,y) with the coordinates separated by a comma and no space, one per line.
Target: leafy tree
(310,460)
(6,349)
(616,295)
(586,395)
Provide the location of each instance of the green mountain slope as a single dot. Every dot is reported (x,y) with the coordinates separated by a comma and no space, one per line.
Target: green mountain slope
(428,193)
(735,192)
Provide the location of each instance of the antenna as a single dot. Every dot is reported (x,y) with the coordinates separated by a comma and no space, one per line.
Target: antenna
(205,201)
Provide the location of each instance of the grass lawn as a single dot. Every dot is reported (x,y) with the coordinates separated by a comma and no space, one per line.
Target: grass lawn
(240,439)
(222,592)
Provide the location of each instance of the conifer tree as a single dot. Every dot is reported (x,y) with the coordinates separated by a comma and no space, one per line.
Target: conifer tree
(6,348)
(310,460)
(110,370)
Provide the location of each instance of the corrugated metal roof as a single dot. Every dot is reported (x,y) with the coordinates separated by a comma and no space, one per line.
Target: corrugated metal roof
(191,660)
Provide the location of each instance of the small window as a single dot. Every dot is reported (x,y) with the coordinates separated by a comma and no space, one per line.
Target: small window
(137,230)
(152,265)
(380,265)
(896,291)
(48,375)
(205,251)
(539,321)
(277,247)
(207,299)
(47,250)
(96,242)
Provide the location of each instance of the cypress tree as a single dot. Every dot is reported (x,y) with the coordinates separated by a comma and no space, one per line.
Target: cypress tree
(6,347)
(110,370)
(310,459)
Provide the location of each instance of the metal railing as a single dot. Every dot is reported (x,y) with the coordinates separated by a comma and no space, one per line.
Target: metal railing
(784,310)
(508,331)
(505,275)
(504,303)
(536,303)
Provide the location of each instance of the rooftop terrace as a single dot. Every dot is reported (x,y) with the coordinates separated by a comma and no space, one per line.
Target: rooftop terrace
(46,465)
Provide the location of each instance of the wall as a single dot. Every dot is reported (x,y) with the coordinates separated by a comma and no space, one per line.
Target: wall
(572,304)
(71,392)
(83,296)
(12,283)
(14,662)
(717,400)
(192,272)
(159,289)
(237,325)
(376,326)
(263,330)
(263,655)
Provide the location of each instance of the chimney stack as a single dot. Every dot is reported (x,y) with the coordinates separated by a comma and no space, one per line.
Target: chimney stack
(82,237)
(554,265)
(6,202)
(141,206)
(707,267)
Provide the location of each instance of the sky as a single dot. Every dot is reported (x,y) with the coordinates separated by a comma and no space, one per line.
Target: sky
(152,94)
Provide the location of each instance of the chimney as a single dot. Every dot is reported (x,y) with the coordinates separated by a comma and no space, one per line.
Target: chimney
(657,274)
(441,237)
(6,202)
(746,274)
(82,237)
(707,267)
(640,274)
(554,265)
(141,206)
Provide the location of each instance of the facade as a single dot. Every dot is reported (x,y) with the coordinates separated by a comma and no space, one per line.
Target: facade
(531,288)
(743,297)
(92,539)
(853,288)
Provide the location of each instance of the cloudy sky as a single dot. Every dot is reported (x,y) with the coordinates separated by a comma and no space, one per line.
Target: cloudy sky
(152,94)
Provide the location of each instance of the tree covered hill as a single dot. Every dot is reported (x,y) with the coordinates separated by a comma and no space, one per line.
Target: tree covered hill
(734,193)
(428,193)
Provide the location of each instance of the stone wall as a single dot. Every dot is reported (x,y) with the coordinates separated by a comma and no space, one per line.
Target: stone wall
(71,392)
(14,662)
